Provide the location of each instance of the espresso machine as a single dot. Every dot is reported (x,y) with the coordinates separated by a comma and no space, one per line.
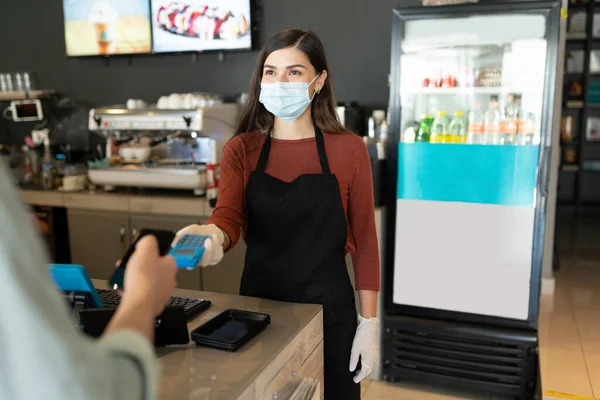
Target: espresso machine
(160,148)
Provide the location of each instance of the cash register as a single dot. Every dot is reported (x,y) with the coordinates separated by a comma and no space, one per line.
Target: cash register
(94,308)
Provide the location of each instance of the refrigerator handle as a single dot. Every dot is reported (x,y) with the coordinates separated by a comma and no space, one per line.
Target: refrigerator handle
(545,172)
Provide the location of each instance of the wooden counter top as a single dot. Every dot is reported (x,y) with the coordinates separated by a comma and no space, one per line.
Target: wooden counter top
(120,202)
(287,351)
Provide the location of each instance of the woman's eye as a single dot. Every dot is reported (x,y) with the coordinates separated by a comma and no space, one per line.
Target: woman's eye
(269,72)
(294,72)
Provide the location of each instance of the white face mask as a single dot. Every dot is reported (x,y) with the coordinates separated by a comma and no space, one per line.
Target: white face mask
(286,100)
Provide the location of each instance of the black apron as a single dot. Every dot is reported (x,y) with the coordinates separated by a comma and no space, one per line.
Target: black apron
(296,237)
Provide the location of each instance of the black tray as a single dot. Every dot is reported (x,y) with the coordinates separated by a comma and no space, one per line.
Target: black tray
(231,329)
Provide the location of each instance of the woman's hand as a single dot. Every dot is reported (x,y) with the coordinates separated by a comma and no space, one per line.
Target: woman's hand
(365,347)
(213,246)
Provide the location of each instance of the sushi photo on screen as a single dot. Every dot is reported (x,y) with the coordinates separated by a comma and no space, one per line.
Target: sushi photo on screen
(201,25)
(107,27)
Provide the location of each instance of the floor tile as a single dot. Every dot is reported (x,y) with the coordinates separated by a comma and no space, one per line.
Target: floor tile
(403,391)
(564,371)
(588,326)
(592,361)
(558,331)
(585,296)
(558,303)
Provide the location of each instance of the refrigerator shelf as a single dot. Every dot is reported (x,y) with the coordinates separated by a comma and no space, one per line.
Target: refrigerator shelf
(466,91)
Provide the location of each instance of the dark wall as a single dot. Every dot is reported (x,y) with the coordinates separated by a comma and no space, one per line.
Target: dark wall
(356,35)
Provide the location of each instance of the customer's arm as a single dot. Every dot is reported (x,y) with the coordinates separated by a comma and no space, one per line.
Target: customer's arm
(43,355)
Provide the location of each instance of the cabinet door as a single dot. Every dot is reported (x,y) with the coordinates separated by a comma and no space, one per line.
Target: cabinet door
(97,239)
(225,277)
(185,279)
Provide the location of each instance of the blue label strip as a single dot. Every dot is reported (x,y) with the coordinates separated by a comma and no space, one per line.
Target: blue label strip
(486,174)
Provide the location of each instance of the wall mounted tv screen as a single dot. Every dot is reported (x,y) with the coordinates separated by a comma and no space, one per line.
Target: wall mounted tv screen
(107,27)
(201,25)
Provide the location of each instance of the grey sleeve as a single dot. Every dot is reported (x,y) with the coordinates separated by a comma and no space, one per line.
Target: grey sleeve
(135,368)
(43,354)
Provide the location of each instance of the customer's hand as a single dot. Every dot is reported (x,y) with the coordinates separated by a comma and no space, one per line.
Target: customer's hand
(148,276)
(213,246)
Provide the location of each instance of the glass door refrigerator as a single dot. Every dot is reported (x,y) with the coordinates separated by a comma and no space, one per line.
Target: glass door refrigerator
(471,114)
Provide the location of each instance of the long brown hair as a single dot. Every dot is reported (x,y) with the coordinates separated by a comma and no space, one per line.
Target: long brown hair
(256,117)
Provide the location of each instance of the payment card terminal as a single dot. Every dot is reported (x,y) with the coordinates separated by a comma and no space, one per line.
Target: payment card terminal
(188,250)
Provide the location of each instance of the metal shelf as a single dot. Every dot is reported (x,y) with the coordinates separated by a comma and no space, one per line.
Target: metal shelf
(466,90)
(574,104)
(587,43)
(570,168)
(34,94)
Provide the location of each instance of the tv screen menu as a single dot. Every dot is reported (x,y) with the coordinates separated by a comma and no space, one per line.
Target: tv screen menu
(107,27)
(201,25)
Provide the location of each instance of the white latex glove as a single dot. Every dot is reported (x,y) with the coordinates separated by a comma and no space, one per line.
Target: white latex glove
(213,246)
(365,347)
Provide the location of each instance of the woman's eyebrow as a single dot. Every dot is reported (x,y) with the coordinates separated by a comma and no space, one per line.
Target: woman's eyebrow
(288,67)
(295,66)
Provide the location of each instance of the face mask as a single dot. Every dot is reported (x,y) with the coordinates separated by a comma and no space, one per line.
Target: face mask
(286,100)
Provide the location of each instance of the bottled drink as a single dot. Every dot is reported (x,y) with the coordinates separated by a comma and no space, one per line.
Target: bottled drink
(456,131)
(382,141)
(378,117)
(475,127)
(527,129)
(48,175)
(510,120)
(47,152)
(424,132)
(491,123)
(371,140)
(439,129)
(409,135)
(28,176)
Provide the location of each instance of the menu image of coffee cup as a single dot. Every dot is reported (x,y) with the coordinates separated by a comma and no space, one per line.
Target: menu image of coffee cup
(107,27)
(104,17)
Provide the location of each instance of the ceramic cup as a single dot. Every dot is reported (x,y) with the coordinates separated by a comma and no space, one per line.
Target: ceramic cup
(74,183)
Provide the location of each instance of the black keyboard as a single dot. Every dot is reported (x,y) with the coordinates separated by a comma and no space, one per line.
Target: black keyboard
(191,307)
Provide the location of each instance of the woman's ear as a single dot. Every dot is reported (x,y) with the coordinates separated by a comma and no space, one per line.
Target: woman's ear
(321,81)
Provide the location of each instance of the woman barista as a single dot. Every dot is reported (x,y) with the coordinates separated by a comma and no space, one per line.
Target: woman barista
(300,190)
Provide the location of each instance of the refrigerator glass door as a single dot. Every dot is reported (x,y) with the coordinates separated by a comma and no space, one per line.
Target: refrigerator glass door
(471,95)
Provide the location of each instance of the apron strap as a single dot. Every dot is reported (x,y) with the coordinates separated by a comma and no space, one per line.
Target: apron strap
(266,149)
(264,154)
(321,150)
